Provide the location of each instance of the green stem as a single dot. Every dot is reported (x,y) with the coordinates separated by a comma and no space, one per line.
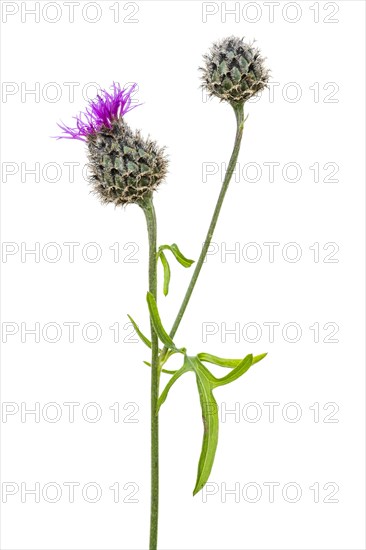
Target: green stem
(239,113)
(149,210)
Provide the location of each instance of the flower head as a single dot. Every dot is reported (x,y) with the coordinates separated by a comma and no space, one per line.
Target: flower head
(234,70)
(123,166)
(101,112)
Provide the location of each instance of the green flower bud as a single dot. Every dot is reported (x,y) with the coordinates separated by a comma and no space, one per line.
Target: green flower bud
(234,71)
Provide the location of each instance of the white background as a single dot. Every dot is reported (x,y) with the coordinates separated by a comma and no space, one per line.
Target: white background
(161,51)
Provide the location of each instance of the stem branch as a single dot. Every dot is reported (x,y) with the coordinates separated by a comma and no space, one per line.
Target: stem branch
(239,113)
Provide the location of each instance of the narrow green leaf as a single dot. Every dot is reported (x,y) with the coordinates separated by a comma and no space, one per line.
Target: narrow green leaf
(238,371)
(139,333)
(258,358)
(185,262)
(166,268)
(210,420)
(157,324)
(206,382)
(228,363)
(210,435)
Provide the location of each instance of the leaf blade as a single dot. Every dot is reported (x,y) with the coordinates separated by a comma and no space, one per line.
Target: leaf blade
(210,420)
(220,361)
(238,371)
(227,363)
(166,269)
(174,249)
(142,337)
(157,324)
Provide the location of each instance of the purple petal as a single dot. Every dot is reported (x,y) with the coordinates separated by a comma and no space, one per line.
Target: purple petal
(101,111)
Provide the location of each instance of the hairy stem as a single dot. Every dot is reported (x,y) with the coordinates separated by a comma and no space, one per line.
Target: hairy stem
(239,113)
(154,509)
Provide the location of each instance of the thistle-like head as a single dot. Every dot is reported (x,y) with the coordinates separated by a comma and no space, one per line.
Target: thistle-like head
(234,70)
(124,167)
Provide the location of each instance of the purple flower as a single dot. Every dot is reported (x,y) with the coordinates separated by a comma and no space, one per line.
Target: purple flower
(101,111)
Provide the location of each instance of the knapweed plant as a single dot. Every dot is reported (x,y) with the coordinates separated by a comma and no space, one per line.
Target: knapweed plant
(126,168)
